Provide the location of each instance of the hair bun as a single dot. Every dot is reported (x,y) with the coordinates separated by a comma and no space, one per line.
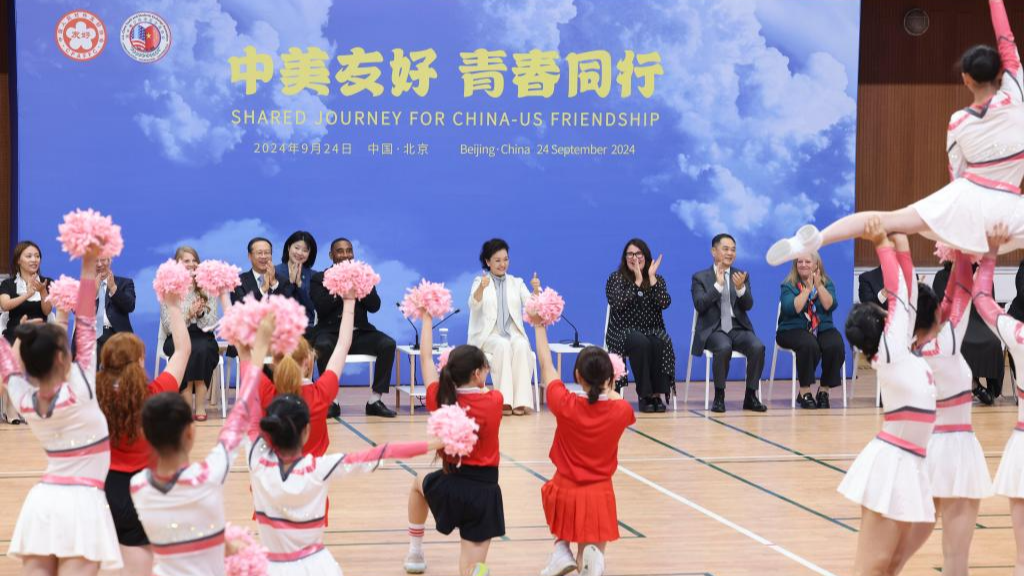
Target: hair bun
(270,423)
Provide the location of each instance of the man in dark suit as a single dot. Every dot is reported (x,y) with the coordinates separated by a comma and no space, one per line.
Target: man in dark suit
(365,339)
(871,288)
(262,278)
(115,300)
(722,297)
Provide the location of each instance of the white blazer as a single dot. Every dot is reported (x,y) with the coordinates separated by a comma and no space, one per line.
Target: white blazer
(483,315)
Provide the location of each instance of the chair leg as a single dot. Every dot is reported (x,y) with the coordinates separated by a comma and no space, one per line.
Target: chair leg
(536,385)
(843,376)
(223,389)
(794,385)
(771,373)
(686,384)
(675,396)
(707,382)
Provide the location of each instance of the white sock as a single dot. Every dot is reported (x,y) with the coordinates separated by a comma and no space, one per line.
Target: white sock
(374,398)
(416,537)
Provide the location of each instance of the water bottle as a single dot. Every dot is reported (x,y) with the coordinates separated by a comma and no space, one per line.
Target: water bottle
(442,337)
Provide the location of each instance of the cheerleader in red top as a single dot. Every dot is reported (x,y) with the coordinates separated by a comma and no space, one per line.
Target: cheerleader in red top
(985,144)
(463,494)
(579,502)
(122,387)
(1009,480)
(956,462)
(181,504)
(64,525)
(289,488)
(889,479)
(292,375)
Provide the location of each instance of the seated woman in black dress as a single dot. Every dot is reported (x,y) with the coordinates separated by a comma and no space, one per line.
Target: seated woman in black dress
(200,316)
(981,348)
(23,297)
(637,296)
(806,303)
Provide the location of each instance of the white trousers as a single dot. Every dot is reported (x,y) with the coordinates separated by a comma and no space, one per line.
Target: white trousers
(511,363)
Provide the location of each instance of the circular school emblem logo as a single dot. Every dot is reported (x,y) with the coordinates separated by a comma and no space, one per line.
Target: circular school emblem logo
(145,37)
(81,35)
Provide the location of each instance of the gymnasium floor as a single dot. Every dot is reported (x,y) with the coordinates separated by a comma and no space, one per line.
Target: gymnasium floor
(737,494)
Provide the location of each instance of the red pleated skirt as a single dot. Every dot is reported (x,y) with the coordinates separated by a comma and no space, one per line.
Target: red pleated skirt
(580,512)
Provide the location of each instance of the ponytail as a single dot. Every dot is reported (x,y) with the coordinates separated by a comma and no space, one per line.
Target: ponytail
(446,394)
(594,368)
(122,386)
(463,361)
(286,420)
(287,376)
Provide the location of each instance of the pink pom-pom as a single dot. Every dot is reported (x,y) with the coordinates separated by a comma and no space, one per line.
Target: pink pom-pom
(64,293)
(455,428)
(243,555)
(947,253)
(618,366)
(84,228)
(172,278)
(350,276)
(547,305)
(215,277)
(443,358)
(240,322)
(430,296)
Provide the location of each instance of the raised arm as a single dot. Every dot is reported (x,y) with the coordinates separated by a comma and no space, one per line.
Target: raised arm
(958,290)
(178,361)
(427,367)
(547,368)
(85,316)
(982,292)
(1007,46)
(370,459)
(336,363)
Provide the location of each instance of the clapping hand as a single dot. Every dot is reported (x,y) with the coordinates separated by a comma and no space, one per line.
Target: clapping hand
(485,280)
(652,272)
(739,279)
(535,284)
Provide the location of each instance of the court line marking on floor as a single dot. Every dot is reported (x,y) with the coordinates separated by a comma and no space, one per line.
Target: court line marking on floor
(735,476)
(773,443)
(728,523)
(366,439)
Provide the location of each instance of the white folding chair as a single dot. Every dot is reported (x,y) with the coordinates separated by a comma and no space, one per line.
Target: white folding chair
(707,367)
(775,356)
(221,379)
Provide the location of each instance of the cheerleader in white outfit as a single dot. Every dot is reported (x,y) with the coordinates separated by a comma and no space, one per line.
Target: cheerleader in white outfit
(181,504)
(985,145)
(956,462)
(1009,480)
(889,479)
(65,526)
(290,490)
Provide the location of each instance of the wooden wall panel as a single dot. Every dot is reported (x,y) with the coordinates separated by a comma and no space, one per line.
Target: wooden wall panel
(907,88)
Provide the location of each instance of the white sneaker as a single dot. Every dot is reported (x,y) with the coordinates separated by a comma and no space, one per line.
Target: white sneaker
(561,562)
(415,563)
(807,239)
(593,562)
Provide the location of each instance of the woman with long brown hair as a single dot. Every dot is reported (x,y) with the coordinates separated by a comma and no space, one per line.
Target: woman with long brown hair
(122,387)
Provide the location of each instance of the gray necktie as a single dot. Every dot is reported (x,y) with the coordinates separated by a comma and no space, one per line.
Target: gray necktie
(726,306)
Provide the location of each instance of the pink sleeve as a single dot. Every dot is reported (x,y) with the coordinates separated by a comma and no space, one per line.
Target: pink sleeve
(983,302)
(85,325)
(244,420)
(393,451)
(8,363)
(1004,36)
(963,275)
(907,268)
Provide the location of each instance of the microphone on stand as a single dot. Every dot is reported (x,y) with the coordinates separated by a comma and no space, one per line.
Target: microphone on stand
(445,319)
(416,342)
(575,333)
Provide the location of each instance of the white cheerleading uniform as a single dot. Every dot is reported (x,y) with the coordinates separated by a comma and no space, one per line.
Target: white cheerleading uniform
(1010,476)
(986,161)
(890,476)
(184,515)
(66,514)
(956,462)
(290,500)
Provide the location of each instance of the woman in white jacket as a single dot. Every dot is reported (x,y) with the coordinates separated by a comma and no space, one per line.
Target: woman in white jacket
(496,325)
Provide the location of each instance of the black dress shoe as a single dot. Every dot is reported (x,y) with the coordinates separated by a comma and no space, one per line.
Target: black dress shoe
(822,400)
(718,405)
(983,395)
(752,403)
(379,409)
(659,406)
(334,410)
(647,405)
(806,401)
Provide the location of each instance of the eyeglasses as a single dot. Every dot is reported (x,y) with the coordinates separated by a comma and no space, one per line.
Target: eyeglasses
(634,254)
